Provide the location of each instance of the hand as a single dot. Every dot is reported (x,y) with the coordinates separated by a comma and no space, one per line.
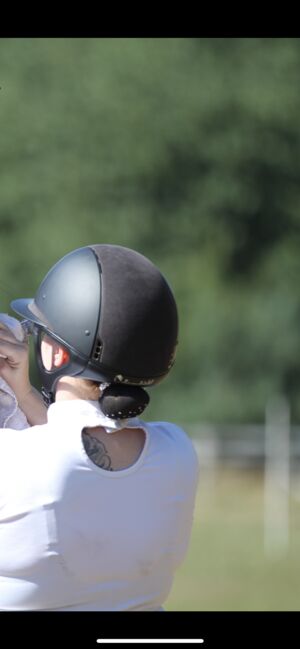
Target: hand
(14,363)
(14,369)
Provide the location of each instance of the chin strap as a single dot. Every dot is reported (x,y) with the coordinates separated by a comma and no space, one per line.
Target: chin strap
(48,397)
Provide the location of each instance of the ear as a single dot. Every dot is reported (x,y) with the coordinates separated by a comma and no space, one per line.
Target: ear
(61,356)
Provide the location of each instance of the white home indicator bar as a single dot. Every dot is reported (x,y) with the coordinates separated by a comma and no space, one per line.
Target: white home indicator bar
(150,641)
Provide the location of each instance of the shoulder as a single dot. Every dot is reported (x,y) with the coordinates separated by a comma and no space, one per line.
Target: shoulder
(170,431)
(22,435)
(20,446)
(177,444)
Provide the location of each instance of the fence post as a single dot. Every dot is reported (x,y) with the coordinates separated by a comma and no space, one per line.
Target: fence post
(277,477)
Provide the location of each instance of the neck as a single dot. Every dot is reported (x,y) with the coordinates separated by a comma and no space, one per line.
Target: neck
(70,387)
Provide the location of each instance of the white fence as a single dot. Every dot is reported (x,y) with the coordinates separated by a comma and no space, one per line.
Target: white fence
(274,448)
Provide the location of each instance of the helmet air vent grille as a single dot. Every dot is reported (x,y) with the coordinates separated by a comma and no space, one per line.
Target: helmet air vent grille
(97,350)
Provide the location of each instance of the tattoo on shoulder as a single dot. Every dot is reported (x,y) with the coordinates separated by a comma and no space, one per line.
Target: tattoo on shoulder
(96,451)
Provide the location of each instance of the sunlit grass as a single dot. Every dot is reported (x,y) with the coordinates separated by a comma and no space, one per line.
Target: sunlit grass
(226,567)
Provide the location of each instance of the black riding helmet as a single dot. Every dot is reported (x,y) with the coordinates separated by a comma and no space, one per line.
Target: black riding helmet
(115,315)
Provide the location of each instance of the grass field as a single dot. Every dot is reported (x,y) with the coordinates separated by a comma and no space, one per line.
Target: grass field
(226,567)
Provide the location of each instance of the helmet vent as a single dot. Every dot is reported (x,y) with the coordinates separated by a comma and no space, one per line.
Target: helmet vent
(97,351)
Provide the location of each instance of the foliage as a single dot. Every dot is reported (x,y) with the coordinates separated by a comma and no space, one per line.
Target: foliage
(187,150)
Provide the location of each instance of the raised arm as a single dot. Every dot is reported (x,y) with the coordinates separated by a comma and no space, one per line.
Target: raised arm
(14,369)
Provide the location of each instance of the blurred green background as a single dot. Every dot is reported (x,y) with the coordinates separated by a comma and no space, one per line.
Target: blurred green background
(187,150)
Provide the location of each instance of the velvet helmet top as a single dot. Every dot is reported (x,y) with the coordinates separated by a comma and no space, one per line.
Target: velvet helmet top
(114,312)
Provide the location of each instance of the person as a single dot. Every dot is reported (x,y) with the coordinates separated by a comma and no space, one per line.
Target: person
(96,504)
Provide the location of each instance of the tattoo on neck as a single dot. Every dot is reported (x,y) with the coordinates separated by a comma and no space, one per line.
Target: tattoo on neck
(96,451)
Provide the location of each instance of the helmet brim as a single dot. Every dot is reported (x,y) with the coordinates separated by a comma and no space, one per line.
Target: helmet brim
(28,310)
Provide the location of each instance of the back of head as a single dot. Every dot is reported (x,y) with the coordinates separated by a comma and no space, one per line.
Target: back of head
(113,311)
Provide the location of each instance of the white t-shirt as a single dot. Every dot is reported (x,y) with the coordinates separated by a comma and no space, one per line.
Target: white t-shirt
(74,536)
